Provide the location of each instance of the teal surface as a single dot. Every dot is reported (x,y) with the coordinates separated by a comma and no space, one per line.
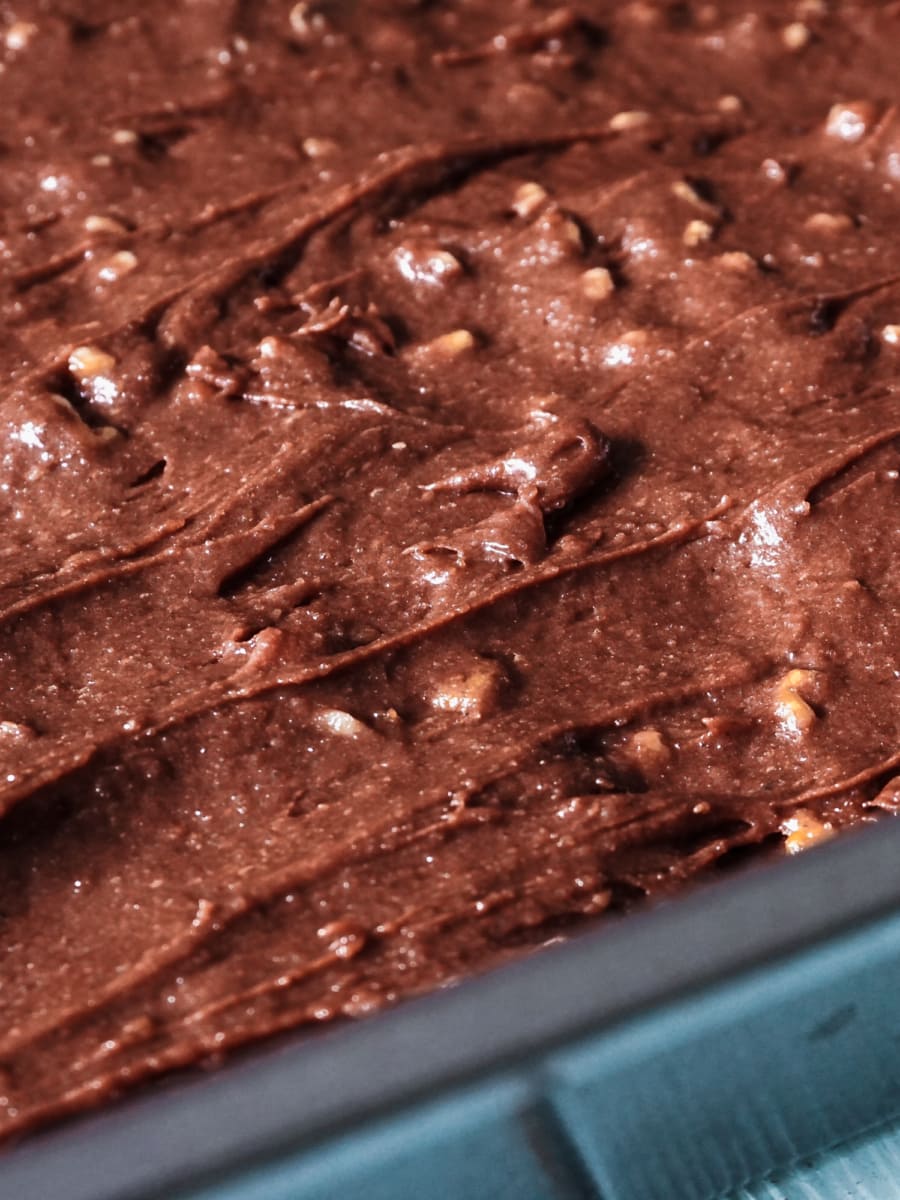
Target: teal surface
(866,1169)
(696,1100)
(489,1142)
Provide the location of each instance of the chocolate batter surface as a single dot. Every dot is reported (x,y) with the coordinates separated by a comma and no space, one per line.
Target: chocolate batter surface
(449,491)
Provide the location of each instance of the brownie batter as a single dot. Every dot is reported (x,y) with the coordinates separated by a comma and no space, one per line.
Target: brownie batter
(449,489)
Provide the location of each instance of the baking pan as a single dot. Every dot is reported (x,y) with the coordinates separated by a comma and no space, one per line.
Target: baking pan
(680,1053)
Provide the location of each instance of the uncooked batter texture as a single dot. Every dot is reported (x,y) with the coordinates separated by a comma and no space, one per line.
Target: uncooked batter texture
(449,491)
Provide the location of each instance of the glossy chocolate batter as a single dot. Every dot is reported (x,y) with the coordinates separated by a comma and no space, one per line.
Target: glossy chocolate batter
(449,487)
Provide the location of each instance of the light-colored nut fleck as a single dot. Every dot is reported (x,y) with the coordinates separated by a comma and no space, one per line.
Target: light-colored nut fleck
(570,233)
(306,20)
(100,224)
(622,353)
(598,284)
(335,720)
(792,710)
(528,198)
(799,677)
(87,362)
(796,36)
(453,344)
(697,232)
(829,223)
(432,265)
(19,35)
(738,261)
(474,695)
(106,433)
(269,347)
(891,335)
(14,731)
(344,938)
(636,337)
(774,171)
(94,371)
(118,265)
(689,194)
(101,160)
(650,750)
(318,147)
(124,137)
(803,830)
(444,265)
(730,104)
(623,121)
(809,9)
(851,121)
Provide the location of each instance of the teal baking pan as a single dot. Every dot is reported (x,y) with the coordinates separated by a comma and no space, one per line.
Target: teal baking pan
(718,1046)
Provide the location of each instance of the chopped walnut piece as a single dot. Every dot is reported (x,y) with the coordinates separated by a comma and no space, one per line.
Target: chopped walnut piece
(124,137)
(474,695)
(730,104)
(307,20)
(803,830)
(570,233)
(428,264)
(19,35)
(87,362)
(345,938)
(891,335)
(100,224)
(624,121)
(697,232)
(450,345)
(93,369)
(774,170)
(597,284)
(528,198)
(269,347)
(635,337)
(318,147)
(649,749)
(792,710)
(796,36)
(122,263)
(738,261)
(335,720)
(851,121)
(443,264)
(16,731)
(689,194)
(829,223)
(622,353)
